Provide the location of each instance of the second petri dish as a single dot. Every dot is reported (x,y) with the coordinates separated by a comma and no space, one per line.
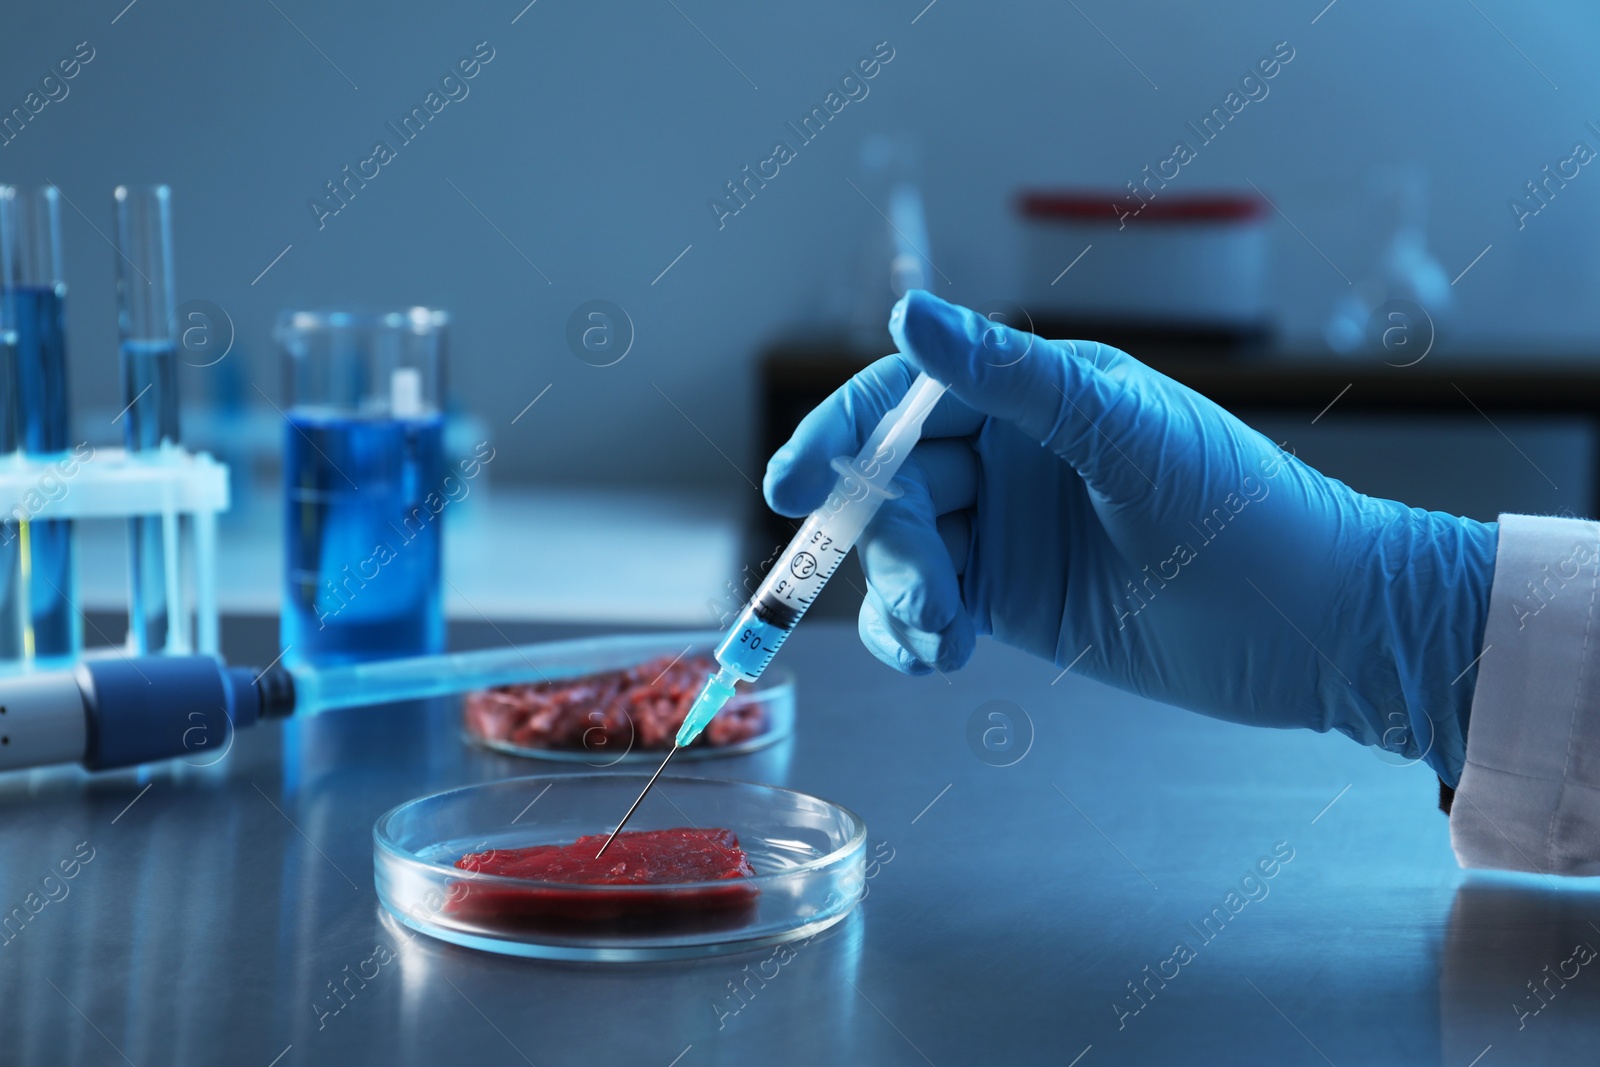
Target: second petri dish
(625,708)
(807,855)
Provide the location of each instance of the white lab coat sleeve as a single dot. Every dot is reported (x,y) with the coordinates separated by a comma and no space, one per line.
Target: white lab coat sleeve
(1529,795)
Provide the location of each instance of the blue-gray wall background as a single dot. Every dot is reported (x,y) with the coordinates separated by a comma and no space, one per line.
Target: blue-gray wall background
(599,131)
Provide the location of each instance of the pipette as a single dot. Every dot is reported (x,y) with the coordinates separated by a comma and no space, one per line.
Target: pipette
(804,567)
(113,710)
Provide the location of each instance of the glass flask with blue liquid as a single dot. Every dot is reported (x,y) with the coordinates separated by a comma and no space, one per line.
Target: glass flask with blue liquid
(363,480)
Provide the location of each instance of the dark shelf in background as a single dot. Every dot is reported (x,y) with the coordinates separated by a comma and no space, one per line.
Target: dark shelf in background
(795,377)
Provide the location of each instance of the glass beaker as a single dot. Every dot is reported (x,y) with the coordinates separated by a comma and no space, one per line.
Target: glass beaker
(363,484)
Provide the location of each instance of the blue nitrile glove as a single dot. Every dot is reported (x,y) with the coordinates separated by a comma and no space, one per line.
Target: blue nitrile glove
(1154,541)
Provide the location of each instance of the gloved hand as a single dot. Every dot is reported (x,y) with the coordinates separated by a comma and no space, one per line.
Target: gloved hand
(1075,503)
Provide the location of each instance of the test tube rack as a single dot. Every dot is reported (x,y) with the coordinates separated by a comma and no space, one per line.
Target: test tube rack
(170,482)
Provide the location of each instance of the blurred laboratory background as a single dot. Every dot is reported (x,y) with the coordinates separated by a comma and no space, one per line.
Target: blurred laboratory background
(1367,229)
(510,301)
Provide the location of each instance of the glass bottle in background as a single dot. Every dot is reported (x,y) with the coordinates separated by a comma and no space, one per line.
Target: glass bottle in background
(894,245)
(364,486)
(1398,306)
(30,228)
(147,323)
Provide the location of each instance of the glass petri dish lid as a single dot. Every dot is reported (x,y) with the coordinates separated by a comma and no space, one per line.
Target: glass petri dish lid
(606,702)
(807,855)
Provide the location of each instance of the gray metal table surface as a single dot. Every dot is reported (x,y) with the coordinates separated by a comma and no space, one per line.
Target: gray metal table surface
(1062,874)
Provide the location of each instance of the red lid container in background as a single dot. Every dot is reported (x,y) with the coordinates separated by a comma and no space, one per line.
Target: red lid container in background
(1124,209)
(1194,258)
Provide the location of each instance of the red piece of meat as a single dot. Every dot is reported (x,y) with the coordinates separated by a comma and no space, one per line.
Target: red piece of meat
(607,712)
(636,858)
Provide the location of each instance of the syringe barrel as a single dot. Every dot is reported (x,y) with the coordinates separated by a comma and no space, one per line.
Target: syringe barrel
(814,554)
(799,574)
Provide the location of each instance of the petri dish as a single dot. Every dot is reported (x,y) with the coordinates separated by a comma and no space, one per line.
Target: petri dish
(610,724)
(807,854)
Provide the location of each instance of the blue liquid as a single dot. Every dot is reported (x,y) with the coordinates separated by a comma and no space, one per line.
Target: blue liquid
(11,631)
(44,430)
(9,440)
(42,370)
(11,628)
(364,503)
(751,644)
(150,382)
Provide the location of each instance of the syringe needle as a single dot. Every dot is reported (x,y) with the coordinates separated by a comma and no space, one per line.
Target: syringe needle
(636,803)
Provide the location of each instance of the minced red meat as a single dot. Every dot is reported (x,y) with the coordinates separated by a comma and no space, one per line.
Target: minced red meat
(607,712)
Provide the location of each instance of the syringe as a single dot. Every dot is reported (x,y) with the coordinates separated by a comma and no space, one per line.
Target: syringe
(805,566)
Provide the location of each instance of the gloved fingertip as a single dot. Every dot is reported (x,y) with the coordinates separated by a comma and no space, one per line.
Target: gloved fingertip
(910,664)
(785,487)
(925,604)
(923,327)
(888,654)
(957,643)
(773,481)
(908,567)
(880,640)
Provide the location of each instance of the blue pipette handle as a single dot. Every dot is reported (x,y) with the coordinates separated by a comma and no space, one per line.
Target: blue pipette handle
(121,711)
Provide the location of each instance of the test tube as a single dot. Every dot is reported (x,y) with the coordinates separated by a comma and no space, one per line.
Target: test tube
(30,232)
(147,322)
(13,606)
